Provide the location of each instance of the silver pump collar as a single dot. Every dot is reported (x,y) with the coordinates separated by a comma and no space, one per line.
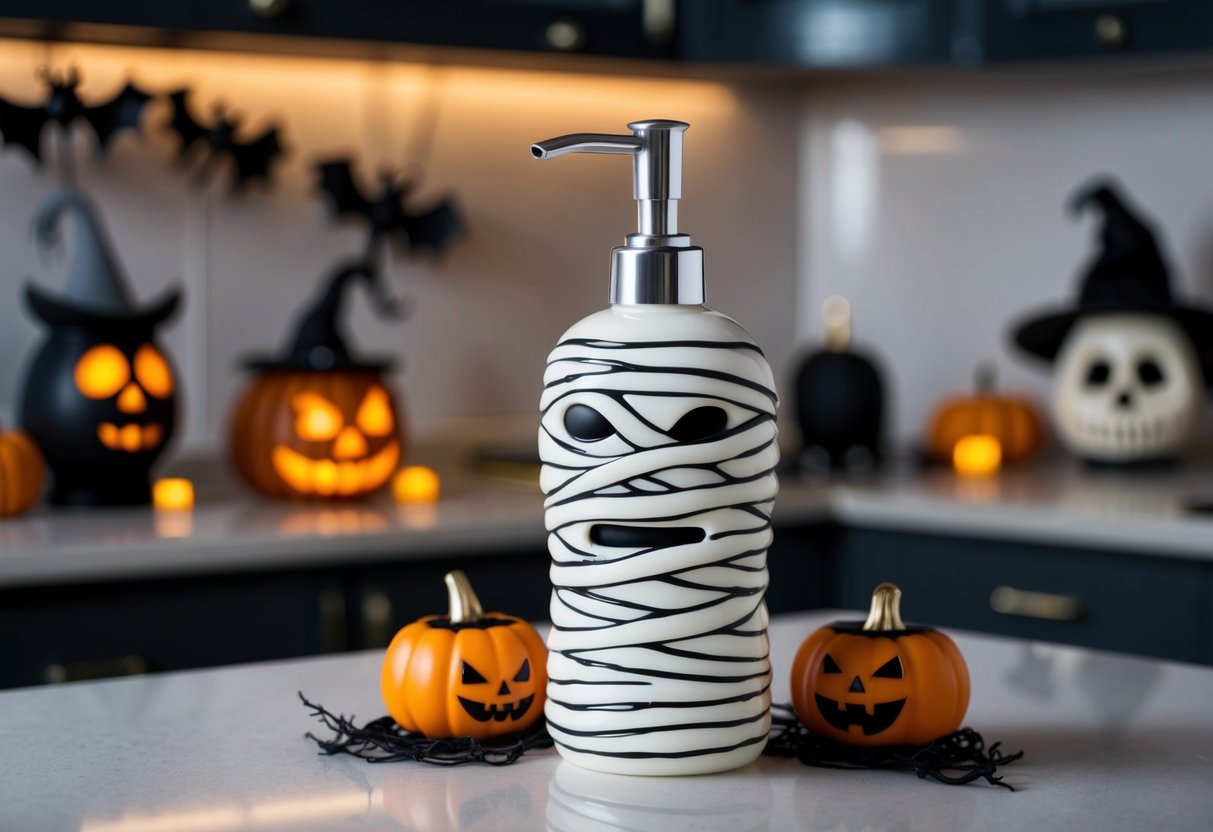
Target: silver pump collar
(656,264)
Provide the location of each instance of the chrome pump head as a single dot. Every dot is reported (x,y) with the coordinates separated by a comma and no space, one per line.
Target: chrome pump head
(656,264)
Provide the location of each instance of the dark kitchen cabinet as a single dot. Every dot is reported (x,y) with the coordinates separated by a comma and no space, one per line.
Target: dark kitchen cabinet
(1030,30)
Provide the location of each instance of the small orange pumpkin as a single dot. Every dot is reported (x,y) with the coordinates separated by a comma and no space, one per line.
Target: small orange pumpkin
(22,470)
(466,674)
(881,683)
(1013,420)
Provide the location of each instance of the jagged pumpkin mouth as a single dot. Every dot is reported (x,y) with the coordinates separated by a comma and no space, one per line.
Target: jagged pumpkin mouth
(327,477)
(130,437)
(485,711)
(842,715)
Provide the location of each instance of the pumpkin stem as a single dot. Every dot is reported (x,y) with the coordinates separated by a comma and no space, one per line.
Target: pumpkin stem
(886,610)
(465,606)
(986,378)
(836,314)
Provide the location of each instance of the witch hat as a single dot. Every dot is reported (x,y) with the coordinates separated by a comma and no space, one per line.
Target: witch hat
(320,342)
(96,293)
(1128,274)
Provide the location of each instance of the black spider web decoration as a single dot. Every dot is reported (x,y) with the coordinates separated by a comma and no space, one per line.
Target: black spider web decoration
(383,741)
(959,758)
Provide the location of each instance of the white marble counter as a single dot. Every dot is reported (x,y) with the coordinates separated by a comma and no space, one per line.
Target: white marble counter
(1113,743)
(230,530)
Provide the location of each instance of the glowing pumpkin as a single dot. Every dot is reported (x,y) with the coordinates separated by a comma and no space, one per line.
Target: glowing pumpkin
(880,683)
(1013,420)
(311,433)
(466,674)
(22,471)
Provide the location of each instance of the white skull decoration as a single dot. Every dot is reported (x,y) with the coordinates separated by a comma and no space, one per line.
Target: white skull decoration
(1128,388)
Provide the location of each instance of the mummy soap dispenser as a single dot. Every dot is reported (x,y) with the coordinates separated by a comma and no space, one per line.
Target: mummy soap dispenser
(659,447)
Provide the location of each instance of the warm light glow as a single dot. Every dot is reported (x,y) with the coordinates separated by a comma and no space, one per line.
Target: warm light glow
(920,139)
(317,419)
(131,399)
(374,416)
(416,484)
(173,494)
(102,372)
(328,478)
(130,437)
(350,444)
(281,811)
(979,455)
(153,372)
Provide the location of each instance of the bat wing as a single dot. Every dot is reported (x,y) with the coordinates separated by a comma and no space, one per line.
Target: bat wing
(253,160)
(434,228)
(23,126)
(183,124)
(337,180)
(121,112)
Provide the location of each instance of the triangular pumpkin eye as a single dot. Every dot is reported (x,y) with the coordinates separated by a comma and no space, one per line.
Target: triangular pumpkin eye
(524,672)
(471,676)
(890,669)
(829,665)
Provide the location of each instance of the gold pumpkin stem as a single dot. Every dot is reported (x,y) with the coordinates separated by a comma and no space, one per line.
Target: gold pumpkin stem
(465,606)
(836,315)
(885,614)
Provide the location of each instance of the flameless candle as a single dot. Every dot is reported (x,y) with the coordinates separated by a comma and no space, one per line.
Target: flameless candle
(173,494)
(416,484)
(978,455)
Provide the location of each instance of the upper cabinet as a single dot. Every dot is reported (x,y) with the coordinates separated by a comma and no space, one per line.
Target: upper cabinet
(780,33)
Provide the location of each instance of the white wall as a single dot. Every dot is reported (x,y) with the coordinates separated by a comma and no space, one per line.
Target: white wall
(535,259)
(937,206)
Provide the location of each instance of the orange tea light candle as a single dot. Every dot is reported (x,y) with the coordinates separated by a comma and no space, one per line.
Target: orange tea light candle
(416,484)
(979,455)
(173,494)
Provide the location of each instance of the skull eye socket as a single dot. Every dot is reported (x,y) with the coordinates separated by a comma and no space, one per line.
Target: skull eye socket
(524,672)
(701,423)
(470,675)
(587,424)
(102,371)
(1098,373)
(889,670)
(153,372)
(828,665)
(1150,372)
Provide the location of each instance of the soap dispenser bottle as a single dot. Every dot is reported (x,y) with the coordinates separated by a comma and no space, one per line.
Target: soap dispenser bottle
(658,444)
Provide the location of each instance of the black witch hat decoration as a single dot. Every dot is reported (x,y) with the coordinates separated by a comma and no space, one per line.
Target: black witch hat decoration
(22,126)
(251,160)
(319,341)
(386,211)
(100,394)
(1128,274)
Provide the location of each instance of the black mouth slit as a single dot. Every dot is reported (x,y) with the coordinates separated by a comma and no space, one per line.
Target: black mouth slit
(883,715)
(645,537)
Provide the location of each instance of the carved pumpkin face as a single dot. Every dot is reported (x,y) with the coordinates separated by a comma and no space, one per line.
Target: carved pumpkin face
(870,687)
(482,677)
(102,407)
(313,433)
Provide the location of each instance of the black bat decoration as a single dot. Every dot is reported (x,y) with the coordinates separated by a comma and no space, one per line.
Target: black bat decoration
(386,211)
(22,126)
(250,160)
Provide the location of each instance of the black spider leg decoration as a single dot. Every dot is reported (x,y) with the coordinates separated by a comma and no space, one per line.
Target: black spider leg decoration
(963,751)
(383,741)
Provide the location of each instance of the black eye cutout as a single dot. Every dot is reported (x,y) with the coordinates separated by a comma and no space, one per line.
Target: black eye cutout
(829,665)
(700,423)
(587,424)
(889,670)
(1098,374)
(471,676)
(1150,373)
(524,672)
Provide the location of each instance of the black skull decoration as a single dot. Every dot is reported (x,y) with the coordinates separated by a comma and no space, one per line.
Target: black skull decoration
(100,393)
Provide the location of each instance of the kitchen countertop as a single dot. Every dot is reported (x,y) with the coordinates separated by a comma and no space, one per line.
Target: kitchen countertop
(231,530)
(1112,743)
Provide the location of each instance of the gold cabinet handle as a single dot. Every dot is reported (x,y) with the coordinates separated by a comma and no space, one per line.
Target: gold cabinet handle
(56,674)
(332,621)
(1044,606)
(376,619)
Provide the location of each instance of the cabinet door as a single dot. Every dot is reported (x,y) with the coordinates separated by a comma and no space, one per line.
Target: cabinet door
(1153,606)
(1022,30)
(628,28)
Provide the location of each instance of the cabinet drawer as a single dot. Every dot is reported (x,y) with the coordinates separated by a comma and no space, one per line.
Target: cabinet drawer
(1137,604)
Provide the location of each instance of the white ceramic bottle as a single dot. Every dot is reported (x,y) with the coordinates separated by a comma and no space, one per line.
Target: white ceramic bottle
(658,443)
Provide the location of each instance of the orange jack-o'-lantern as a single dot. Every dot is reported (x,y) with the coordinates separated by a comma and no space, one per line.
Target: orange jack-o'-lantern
(880,683)
(466,674)
(317,422)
